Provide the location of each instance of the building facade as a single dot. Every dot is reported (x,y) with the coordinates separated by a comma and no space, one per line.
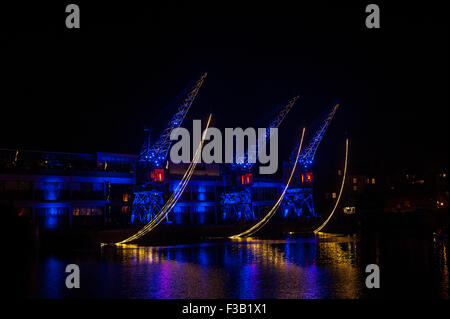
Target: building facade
(69,190)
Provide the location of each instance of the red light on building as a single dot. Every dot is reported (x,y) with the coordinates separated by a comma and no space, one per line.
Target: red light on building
(307,177)
(157,175)
(247,179)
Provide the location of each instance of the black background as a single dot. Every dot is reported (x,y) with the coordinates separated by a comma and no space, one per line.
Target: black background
(95,88)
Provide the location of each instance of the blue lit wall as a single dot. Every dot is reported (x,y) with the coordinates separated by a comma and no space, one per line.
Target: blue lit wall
(201,214)
(52,217)
(180,215)
(51,190)
(201,193)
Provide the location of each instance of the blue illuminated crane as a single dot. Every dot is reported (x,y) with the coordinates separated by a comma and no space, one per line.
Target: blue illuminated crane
(148,195)
(298,200)
(243,163)
(307,155)
(157,153)
(236,201)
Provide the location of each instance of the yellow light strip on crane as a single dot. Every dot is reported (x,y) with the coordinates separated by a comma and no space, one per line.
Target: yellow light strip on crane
(340,191)
(173,199)
(269,215)
(162,212)
(171,202)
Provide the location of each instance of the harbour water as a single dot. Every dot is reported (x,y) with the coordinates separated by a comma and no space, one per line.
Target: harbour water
(313,266)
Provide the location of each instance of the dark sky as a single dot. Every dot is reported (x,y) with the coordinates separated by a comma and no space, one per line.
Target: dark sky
(94,89)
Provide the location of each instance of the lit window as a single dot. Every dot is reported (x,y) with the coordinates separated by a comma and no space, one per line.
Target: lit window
(333,195)
(355,180)
(368,181)
(126,197)
(339,172)
(355,188)
(373,180)
(307,177)
(87,211)
(349,210)
(247,179)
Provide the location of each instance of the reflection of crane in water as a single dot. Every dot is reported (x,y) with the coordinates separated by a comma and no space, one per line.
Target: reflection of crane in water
(298,268)
(279,253)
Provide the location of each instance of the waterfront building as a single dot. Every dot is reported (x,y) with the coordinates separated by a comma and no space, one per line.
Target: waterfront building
(70,190)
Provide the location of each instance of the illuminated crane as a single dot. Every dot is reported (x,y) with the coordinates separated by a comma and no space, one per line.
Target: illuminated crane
(299,197)
(242,163)
(236,201)
(148,195)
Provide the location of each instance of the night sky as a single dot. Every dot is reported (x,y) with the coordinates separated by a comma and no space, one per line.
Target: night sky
(94,89)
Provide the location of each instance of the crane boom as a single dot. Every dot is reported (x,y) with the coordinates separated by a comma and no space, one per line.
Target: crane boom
(242,162)
(157,153)
(307,156)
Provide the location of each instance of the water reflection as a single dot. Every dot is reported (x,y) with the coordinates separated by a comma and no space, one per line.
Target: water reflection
(316,267)
(440,254)
(310,267)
